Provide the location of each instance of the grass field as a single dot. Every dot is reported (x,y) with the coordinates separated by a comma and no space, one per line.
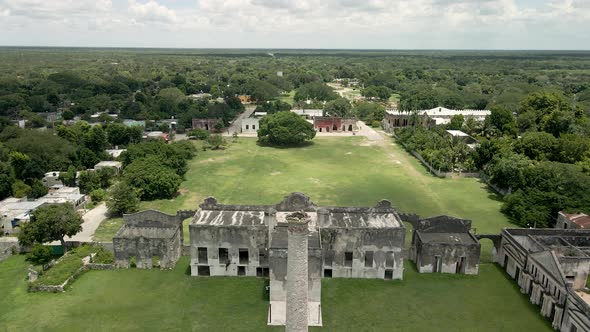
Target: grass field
(154,300)
(348,171)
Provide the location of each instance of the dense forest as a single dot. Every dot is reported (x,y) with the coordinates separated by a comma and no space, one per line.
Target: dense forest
(535,143)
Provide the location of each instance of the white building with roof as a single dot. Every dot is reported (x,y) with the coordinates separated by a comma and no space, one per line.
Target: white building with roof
(395,118)
(64,195)
(116,165)
(15,211)
(309,113)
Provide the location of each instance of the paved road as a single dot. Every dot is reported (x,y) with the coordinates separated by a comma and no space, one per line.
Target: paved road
(235,126)
(92,220)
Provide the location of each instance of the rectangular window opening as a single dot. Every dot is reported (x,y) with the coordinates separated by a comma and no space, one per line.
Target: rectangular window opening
(241,270)
(202,255)
(203,271)
(388,274)
(368,259)
(348,259)
(223,256)
(327,273)
(389,259)
(244,258)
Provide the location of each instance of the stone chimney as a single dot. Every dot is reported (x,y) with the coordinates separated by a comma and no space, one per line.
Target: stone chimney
(297,273)
(270,219)
(323,217)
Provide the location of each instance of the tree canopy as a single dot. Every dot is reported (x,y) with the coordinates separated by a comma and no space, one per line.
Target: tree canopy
(285,129)
(50,223)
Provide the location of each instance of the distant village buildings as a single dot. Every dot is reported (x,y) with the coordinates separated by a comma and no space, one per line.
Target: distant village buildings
(439,115)
(15,211)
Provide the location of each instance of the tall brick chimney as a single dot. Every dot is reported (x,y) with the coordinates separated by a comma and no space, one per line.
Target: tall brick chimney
(297,273)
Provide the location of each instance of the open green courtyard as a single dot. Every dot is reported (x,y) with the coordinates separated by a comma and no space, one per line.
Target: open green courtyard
(347,171)
(154,300)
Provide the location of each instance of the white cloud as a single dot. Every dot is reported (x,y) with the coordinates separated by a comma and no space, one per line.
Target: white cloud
(301,23)
(152,12)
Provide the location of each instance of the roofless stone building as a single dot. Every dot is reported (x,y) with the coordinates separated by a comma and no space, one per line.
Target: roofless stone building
(253,240)
(148,237)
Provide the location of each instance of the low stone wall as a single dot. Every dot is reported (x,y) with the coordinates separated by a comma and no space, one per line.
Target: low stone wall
(8,247)
(61,288)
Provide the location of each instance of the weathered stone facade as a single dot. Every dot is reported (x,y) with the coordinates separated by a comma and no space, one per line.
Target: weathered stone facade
(205,124)
(572,221)
(250,125)
(445,244)
(148,236)
(551,266)
(343,242)
(356,242)
(334,124)
(439,115)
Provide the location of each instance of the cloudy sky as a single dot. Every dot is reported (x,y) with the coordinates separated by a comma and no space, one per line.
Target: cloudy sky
(356,24)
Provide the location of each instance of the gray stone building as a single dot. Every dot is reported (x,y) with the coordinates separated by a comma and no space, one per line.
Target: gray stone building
(353,242)
(551,266)
(205,124)
(572,221)
(250,125)
(148,237)
(445,244)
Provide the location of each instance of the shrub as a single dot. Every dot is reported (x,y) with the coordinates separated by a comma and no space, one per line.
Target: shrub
(376,124)
(98,195)
(200,134)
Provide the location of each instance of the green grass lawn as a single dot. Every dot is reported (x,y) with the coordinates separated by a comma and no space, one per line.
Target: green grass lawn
(288,97)
(348,171)
(154,300)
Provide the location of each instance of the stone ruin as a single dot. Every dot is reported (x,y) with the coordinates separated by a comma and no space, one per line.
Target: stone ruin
(148,237)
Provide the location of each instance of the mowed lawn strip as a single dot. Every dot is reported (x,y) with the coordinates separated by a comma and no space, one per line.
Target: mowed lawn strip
(154,300)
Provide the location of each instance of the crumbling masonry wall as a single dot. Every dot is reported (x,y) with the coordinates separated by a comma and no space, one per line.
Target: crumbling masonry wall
(146,235)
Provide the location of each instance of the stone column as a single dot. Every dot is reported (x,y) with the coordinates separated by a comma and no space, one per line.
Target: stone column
(270,219)
(323,217)
(297,273)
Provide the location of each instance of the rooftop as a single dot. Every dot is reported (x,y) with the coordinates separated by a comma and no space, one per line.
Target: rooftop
(310,112)
(229,218)
(449,238)
(364,219)
(109,163)
(457,133)
(147,232)
(580,219)
(115,152)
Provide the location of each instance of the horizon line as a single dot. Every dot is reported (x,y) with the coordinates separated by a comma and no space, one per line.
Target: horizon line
(299,48)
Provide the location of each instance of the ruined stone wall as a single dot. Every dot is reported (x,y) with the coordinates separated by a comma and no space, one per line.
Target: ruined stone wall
(334,124)
(8,247)
(253,238)
(143,249)
(151,218)
(450,255)
(336,242)
(576,314)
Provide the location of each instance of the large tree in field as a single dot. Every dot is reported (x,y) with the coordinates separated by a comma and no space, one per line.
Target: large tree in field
(51,223)
(285,129)
(123,199)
